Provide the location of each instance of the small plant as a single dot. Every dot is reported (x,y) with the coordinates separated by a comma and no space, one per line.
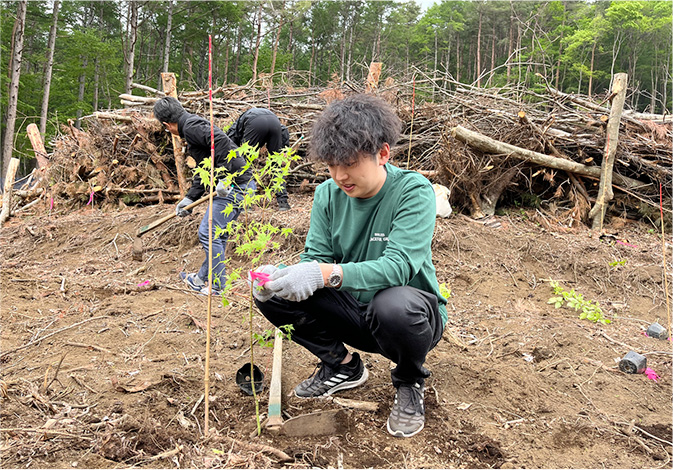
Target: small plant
(615,264)
(445,290)
(588,309)
(253,239)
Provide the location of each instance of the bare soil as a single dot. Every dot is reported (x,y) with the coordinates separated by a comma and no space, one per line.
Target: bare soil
(103,357)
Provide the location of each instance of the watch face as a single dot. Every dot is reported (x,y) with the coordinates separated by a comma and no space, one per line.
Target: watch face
(334,279)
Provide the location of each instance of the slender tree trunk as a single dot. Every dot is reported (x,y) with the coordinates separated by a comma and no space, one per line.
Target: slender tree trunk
(310,64)
(458,58)
(80,95)
(239,40)
(492,55)
(257,43)
(13,97)
(560,47)
(226,60)
(276,41)
(96,83)
(434,71)
(342,50)
(167,42)
(48,66)
(478,72)
(131,44)
(290,47)
(591,68)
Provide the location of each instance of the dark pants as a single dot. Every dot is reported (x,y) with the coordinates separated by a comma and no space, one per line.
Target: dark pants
(265,130)
(401,323)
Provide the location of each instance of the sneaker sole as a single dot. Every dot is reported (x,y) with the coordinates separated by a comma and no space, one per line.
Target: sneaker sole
(342,386)
(401,433)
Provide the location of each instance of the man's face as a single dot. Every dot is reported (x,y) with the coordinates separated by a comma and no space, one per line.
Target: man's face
(364,178)
(171,127)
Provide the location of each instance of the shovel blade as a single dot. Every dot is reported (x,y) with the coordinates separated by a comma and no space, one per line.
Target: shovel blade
(321,423)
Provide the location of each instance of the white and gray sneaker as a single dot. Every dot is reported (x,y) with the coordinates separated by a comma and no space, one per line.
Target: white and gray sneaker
(328,380)
(407,417)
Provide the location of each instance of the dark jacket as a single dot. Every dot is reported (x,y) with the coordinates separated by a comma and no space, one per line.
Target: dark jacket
(259,127)
(196,131)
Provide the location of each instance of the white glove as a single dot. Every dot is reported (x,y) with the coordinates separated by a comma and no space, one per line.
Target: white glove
(297,282)
(222,190)
(259,291)
(180,210)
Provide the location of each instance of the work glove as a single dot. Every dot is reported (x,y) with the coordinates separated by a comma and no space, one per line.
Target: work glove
(297,282)
(180,210)
(259,291)
(222,190)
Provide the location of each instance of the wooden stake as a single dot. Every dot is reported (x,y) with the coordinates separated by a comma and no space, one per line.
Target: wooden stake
(663,248)
(170,89)
(206,380)
(605,193)
(7,195)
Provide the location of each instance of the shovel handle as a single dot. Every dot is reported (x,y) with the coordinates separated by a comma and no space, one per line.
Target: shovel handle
(275,418)
(151,226)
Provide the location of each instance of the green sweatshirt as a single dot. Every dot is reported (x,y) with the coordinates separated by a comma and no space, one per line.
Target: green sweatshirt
(380,242)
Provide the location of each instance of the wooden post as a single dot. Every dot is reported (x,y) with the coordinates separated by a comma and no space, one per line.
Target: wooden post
(38,147)
(7,195)
(170,89)
(605,193)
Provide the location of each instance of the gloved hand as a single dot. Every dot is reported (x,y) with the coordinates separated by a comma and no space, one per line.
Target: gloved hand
(297,282)
(180,210)
(222,190)
(260,292)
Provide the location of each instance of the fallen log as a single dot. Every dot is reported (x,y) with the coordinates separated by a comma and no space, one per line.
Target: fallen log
(488,145)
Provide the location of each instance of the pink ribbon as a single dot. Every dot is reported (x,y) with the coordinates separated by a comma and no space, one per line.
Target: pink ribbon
(263,277)
(626,244)
(144,283)
(90,198)
(51,203)
(651,374)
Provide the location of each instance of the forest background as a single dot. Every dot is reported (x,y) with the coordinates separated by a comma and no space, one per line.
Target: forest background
(66,59)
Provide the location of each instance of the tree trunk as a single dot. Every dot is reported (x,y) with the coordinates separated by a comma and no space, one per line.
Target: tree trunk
(591,68)
(434,71)
(310,64)
(605,193)
(239,40)
(488,145)
(226,60)
(560,47)
(510,49)
(48,66)
(13,97)
(131,44)
(167,42)
(478,71)
(96,83)
(80,94)
(257,43)
(275,43)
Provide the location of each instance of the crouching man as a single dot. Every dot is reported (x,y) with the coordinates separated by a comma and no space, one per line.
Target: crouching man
(365,278)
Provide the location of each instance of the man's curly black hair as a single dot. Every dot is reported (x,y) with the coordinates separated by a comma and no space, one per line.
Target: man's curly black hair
(168,109)
(353,127)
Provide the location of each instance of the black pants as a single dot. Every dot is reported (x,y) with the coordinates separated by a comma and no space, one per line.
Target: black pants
(401,323)
(265,130)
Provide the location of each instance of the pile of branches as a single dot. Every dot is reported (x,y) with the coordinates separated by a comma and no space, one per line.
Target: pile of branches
(125,155)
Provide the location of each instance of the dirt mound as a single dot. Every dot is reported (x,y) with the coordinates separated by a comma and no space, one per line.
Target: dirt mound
(103,357)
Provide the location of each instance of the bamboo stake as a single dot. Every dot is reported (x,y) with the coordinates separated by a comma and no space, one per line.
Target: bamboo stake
(206,380)
(663,249)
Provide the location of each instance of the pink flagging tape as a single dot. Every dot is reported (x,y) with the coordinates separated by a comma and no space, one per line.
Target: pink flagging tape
(90,198)
(651,374)
(144,283)
(263,277)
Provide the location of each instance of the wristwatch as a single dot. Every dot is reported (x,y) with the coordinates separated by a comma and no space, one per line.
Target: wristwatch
(335,277)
